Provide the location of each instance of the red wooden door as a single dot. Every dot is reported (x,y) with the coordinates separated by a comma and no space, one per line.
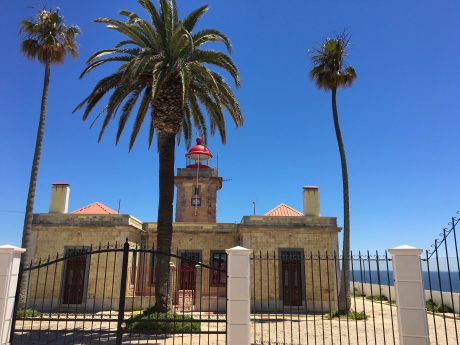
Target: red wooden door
(292,282)
(187,276)
(74,280)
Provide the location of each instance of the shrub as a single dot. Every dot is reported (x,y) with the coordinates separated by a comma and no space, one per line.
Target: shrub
(437,308)
(162,322)
(378,298)
(442,308)
(430,305)
(357,293)
(352,315)
(22,313)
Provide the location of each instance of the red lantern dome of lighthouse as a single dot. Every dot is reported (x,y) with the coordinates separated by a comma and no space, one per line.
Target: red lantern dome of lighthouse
(198,153)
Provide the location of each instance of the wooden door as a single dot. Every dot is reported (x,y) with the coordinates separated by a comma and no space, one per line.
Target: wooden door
(291,273)
(187,272)
(74,280)
(187,276)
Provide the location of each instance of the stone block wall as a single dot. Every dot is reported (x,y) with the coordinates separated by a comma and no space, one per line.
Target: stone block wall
(56,233)
(203,238)
(315,238)
(205,211)
(312,236)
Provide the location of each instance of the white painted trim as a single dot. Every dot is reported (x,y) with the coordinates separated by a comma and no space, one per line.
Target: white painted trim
(238,250)
(405,250)
(8,248)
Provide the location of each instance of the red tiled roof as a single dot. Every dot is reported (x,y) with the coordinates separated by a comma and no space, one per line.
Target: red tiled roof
(95,208)
(283,210)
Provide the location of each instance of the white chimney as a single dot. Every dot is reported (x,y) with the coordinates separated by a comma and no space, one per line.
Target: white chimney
(311,201)
(59,197)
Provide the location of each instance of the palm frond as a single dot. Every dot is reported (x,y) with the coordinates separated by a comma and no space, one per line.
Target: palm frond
(198,117)
(99,91)
(100,53)
(211,35)
(328,70)
(126,113)
(47,38)
(126,29)
(155,17)
(103,61)
(159,57)
(115,100)
(124,43)
(29,48)
(218,59)
(151,127)
(142,111)
(190,21)
(186,128)
(216,117)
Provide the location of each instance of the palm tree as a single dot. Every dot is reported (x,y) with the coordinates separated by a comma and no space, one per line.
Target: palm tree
(164,70)
(330,73)
(47,39)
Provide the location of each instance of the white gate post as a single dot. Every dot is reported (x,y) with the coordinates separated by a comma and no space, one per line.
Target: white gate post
(238,296)
(10,258)
(410,295)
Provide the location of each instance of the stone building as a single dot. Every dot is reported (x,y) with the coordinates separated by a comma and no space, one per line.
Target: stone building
(286,235)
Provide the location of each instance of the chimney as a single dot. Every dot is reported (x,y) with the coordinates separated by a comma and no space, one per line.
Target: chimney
(59,197)
(311,201)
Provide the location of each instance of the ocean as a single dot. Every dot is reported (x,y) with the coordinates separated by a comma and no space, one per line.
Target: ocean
(439,281)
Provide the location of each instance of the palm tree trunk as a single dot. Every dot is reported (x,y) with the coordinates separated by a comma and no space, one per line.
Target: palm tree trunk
(344,296)
(166,147)
(27,228)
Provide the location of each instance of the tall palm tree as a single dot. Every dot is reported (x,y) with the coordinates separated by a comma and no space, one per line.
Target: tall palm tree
(163,68)
(48,39)
(330,73)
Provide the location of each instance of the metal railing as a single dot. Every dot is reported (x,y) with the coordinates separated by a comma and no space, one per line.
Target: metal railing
(441,266)
(295,299)
(107,295)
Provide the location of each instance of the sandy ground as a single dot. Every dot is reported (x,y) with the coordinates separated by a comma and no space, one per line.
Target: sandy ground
(380,328)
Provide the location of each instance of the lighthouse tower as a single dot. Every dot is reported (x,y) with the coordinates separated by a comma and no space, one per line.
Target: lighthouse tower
(197,185)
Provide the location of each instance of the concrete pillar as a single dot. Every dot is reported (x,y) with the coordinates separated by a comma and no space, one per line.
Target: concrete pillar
(238,296)
(410,296)
(10,258)
(59,202)
(310,198)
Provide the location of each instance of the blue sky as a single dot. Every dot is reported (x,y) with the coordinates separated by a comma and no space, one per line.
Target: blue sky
(400,120)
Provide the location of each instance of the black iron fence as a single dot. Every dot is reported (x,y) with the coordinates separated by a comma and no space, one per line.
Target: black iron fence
(107,295)
(295,299)
(295,296)
(441,268)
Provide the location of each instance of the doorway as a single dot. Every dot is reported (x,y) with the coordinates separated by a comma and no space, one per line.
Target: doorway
(75,271)
(291,277)
(187,272)
(186,287)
